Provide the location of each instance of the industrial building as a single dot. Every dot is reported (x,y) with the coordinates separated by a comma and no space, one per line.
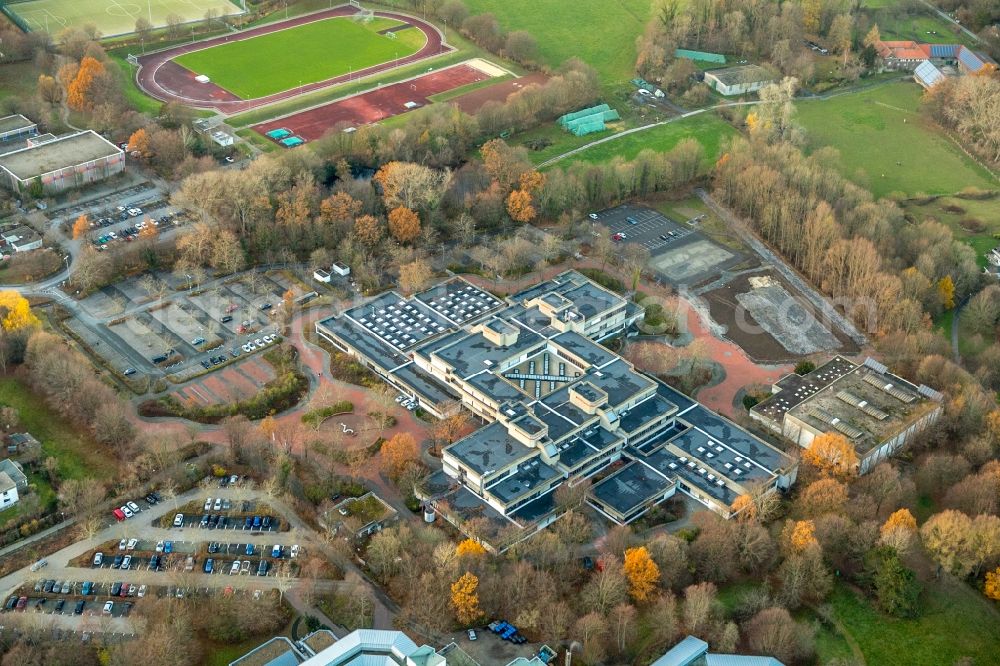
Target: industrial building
(877,411)
(738,80)
(63,163)
(16,128)
(558,406)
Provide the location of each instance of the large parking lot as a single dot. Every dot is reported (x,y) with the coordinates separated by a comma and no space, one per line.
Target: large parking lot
(154,325)
(679,253)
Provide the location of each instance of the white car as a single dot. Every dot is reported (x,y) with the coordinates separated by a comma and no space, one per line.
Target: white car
(246,348)
(127,562)
(132,505)
(142,590)
(179,520)
(235,568)
(122,544)
(108,607)
(295,550)
(132,543)
(127,511)
(208,504)
(159,546)
(643,91)
(400,398)
(258,342)
(218,504)
(593,216)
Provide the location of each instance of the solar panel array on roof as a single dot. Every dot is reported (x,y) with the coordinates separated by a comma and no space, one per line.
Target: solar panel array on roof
(880,383)
(943,50)
(970,60)
(863,405)
(459,301)
(836,423)
(400,323)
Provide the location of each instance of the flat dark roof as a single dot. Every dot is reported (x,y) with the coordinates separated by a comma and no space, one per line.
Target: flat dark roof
(473,353)
(529,477)
(646,411)
(425,386)
(630,487)
(619,381)
(584,348)
(490,449)
(374,349)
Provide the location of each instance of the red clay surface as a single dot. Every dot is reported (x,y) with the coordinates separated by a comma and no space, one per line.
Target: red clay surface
(376,104)
(471,102)
(167,81)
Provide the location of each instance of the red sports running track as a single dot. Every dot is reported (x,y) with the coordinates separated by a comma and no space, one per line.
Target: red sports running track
(374,105)
(160,77)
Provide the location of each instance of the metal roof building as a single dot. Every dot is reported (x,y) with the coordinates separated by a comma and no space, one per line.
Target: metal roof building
(927,74)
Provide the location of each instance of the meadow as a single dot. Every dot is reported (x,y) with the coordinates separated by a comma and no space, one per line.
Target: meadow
(887,146)
(289,58)
(556,25)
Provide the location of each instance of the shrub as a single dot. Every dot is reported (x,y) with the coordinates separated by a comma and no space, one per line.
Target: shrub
(804,367)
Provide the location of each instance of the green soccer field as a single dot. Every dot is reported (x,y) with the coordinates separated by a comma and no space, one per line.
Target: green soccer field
(308,53)
(113,17)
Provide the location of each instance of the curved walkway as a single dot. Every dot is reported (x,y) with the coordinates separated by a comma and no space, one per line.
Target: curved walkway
(160,77)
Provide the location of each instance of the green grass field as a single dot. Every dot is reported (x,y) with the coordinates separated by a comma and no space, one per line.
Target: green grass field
(561,30)
(868,129)
(956,621)
(76,452)
(708,129)
(113,17)
(305,54)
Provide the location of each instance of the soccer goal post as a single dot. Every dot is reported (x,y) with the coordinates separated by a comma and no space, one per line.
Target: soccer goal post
(131,59)
(355,4)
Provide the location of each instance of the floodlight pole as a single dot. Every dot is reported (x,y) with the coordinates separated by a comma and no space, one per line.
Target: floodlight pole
(149,9)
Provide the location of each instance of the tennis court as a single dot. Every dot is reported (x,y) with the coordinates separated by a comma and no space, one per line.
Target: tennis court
(113,17)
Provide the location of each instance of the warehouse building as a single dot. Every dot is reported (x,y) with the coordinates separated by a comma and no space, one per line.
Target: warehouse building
(738,80)
(65,162)
(877,411)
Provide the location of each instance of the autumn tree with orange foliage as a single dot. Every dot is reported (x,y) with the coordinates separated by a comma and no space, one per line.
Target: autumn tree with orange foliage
(139,142)
(404,224)
(368,230)
(398,453)
(642,573)
(832,455)
(520,207)
(339,207)
(80,227)
(898,531)
(503,163)
(991,588)
(469,547)
(77,94)
(409,185)
(802,536)
(465,598)
(532,181)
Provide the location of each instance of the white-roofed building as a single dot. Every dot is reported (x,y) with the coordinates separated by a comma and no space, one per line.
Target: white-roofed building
(694,652)
(376,647)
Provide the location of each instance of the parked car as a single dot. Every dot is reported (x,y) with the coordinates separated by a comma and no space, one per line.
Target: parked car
(218,504)
(78,610)
(116,589)
(127,511)
(276,551)
(87,588)
(67,587)
(132,543)
(263,567)
(159,546)
(127,562)
(98,559)
(142,591)
(119,515)
(295,550)
(122,544)
(208,504)
(109,607)
(235,569)
(472,634)
(209,566)
(133,506)
(179,520)
(168,547)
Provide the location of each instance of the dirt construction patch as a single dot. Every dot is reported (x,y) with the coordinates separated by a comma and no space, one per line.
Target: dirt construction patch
(764,315)
(473,101)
